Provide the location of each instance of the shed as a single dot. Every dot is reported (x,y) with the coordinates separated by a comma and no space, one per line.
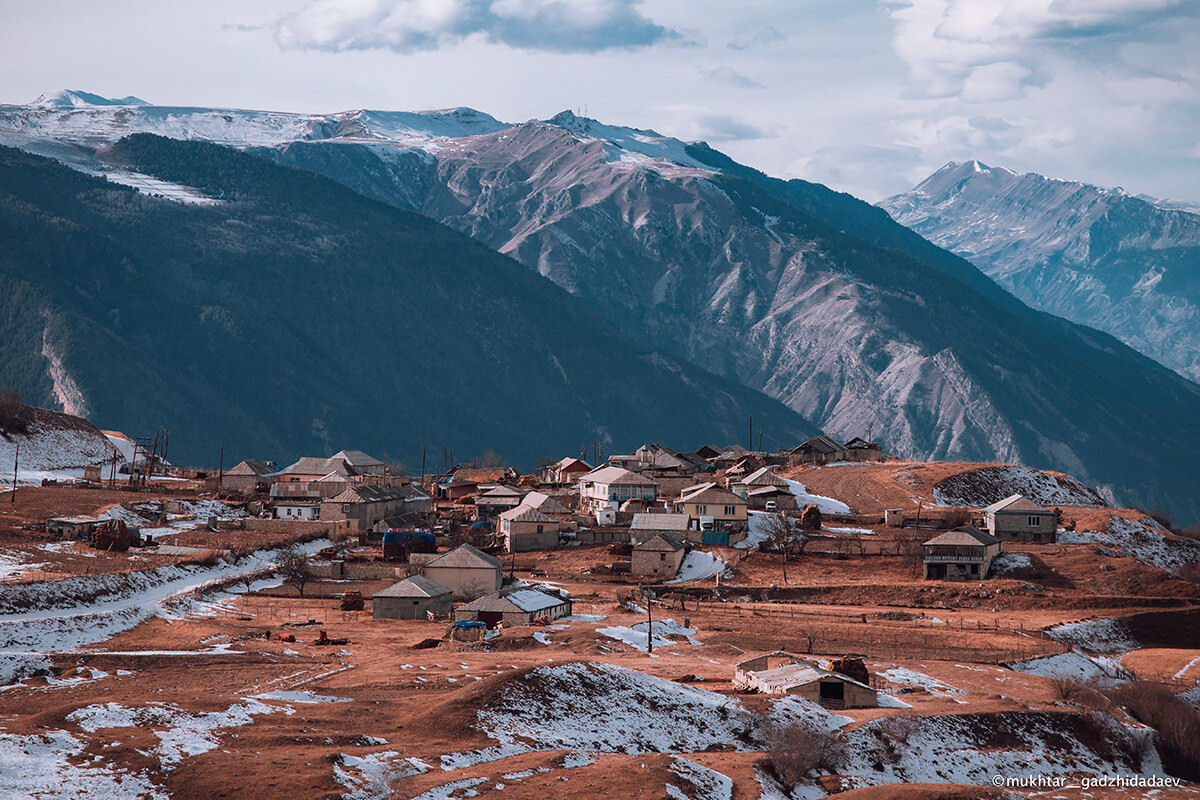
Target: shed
(467,571)
(412,598)
(829,689)
(518,605)
(80,527)
(962,554)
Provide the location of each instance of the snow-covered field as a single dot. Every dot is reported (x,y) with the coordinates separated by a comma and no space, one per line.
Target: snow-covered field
(1143,540)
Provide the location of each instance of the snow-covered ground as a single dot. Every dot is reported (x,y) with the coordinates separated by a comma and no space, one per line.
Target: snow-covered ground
(988,485)
(919,680)
(1106,635)
(1143,540)
(74,612)
(828,505)
(52,764)
(1075,665)
(609,709)
(1010,562)
(698,565)
(48,451)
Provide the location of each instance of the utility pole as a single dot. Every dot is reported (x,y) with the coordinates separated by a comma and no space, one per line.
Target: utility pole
(751,442)
(221,467)
(649,624)
(112,473)
(422,466)
(760,433)
(16,457)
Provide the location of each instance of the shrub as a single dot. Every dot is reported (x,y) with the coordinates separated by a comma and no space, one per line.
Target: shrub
(1175,721)
(15,416)
(1070,691)
(798,749)
(956,518)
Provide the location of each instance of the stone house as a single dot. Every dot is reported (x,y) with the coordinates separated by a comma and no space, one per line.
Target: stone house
(1018,519)
(525,528)
(467,571)
(659,557)
(963,554)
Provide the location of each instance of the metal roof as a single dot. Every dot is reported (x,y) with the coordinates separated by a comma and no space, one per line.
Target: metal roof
(525,514)
(617,476)
(660,522)
(1017,504)
(514,600)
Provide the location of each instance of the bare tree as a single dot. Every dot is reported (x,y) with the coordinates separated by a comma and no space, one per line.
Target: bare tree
(780,533)
(293,567)
(796,750)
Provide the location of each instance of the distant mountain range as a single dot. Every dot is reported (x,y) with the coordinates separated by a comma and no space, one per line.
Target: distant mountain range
(278,313)
(1126,265)
(814,297)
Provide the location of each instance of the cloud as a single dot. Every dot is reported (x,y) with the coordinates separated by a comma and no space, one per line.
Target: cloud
(757,40)
(988,50)
(729,77)
(406,26)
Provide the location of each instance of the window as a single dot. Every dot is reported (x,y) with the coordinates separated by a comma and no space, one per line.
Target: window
(729,511)
(345,508)
(701,509)
(662,556)
(974,569)
(539,528)
(1034,521)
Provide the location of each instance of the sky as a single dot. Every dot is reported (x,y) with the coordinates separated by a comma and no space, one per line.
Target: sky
(867,96)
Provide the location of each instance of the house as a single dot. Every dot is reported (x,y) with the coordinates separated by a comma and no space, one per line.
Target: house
(452,489)
(499,498)
(323,487)
(516,605)
(545,503)
(301,508)
(712,507)
(761,478)
(604,489)
(708,451)
(819,450)
(740,470)
(467,571)
(785,674)
(1019,519)
(652,460)
(415,597)
(862,450)
(645,526)
(248,475)
(771,498)
(963,554)
(360,462)
(80,527)
(567,470)
(363,505)
(310,468)
(525,528)
(658,557)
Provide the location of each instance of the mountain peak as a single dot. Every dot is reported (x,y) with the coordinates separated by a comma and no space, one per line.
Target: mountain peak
(74,98)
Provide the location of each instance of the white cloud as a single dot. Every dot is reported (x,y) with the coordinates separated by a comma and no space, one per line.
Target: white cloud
(562,26)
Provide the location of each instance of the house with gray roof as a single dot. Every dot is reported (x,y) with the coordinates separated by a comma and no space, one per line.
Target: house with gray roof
(963,554)
(516,605)
(1018,519)
(467,571)
(415,597)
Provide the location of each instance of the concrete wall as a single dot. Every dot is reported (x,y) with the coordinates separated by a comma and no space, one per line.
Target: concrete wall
(466,583)
(522,541)
(410,607)
(1016,527)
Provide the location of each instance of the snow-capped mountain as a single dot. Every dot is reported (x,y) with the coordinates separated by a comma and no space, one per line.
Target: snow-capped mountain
(818,299)
(1101,257)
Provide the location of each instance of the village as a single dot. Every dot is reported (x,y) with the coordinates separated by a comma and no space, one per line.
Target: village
(715,623)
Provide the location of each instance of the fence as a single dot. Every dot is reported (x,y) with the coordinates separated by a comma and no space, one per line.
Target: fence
(829,631)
